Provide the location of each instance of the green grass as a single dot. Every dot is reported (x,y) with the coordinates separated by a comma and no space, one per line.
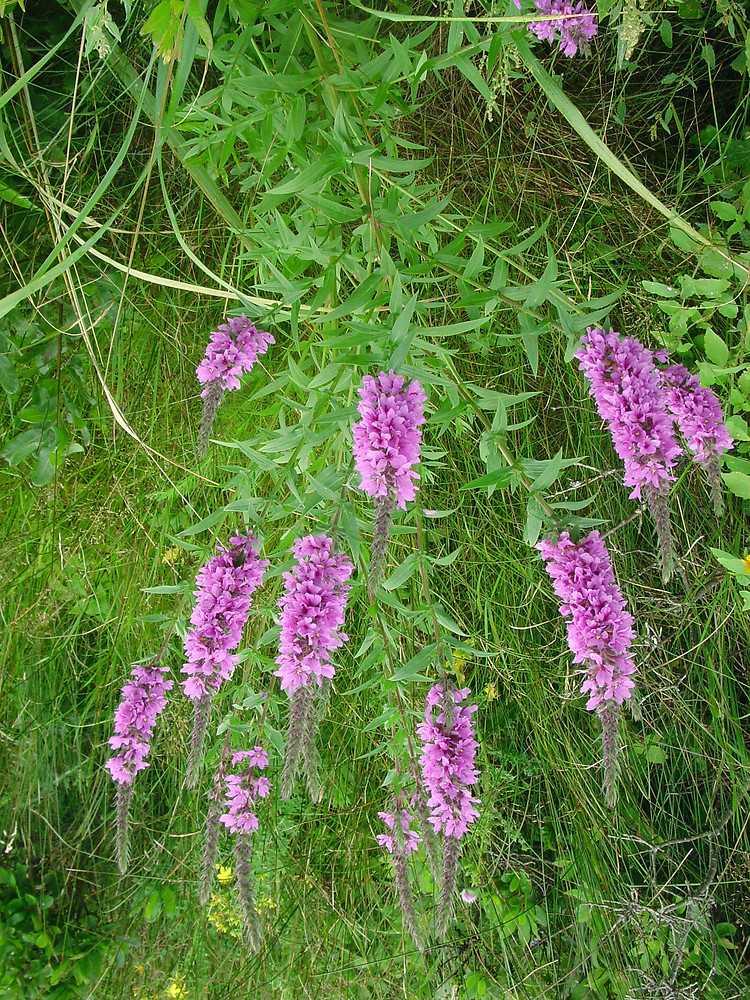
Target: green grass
(574,900)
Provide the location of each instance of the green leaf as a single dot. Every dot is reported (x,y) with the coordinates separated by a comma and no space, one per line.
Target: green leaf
(681,240)
(204,524)
(731,562)
(704,287)
(655,754)
(737,427)
(657,288)
(737,483)
(723,210)
(712,262)
(9,194)
(402,335)
(411,670)
(8,379)
(500,477)
(152,909)
(402,573)
(164,25)
(194,10)
(715,348)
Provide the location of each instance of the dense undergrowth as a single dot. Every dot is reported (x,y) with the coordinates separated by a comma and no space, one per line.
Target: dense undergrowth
(405,193)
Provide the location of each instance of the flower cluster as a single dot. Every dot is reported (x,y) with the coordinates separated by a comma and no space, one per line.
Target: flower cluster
(224,590)
(244,787)
(697,412)
(600,629)
(143,699)
(448,760)
(575,27)
(406,841)
(312,612)
(388,437)
(626,387)
(233,348)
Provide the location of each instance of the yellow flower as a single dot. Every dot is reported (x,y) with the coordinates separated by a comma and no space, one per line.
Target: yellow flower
(225,875)
(746,561)
(458,666)
(224,916)
(171,555)
(176,989)
(490,692)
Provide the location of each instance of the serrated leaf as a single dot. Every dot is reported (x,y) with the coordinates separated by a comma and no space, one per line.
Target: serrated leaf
(723,210)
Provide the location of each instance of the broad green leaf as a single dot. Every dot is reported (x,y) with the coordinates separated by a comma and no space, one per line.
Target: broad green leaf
(715,348)
(724,210)
(152,909)
(737,483)
(731,562)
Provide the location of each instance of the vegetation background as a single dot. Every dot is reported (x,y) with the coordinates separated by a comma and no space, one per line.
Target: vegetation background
(417,185)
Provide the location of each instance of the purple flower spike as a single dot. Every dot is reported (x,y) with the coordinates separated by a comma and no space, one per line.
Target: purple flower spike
(574,30)
(698,414)
(244,787)
(600,633)
(223,594)
(626,388)
(407,840)
(600,629)
(449,760)
(233,348)
(312,613)
(388,437)
(143,699)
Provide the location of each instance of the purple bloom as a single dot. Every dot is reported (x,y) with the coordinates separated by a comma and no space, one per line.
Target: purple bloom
(600,629)
(312,612)
(625,385)
(407,841)
(244,787)
(697,412)
(233,348)
(224,590)
(388,437)
(576,27)
(143,699)
(468,896)
(448,760)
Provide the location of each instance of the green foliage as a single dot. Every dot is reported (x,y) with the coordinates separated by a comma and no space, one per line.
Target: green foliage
(332,172)
(42,953)
(47,389)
